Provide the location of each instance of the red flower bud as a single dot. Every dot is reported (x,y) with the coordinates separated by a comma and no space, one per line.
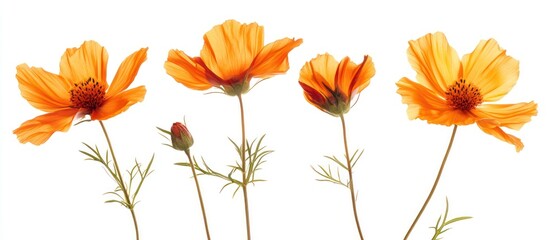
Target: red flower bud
(180,137)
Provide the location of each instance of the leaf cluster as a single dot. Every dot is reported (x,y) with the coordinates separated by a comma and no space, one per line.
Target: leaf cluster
(164,133)
(441,229)
(254,158)
(326,174)
(126,190)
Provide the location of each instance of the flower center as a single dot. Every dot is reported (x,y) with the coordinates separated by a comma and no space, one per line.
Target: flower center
(88,94)
(463,96)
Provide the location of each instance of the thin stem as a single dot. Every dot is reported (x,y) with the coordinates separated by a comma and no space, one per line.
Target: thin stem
(351,179)
(199,193)
(243,167)
(121,182)
(434,184)
(135,223)
(247,218)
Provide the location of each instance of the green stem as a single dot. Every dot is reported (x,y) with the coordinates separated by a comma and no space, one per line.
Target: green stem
(434,184)
(243,167)
(121,182)
(351,189)
(199,193)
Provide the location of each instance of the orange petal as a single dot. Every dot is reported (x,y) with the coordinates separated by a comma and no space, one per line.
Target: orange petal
(492,127)
(187,71)
(344,76)
(119,103)
(314,97)
(351,78)
(230,48)
(127,72)
(491,70)
(424,104)
(43,90)
(273,58)
(435,61)
(513,116)
(38,130)
(88,61)
(320,74)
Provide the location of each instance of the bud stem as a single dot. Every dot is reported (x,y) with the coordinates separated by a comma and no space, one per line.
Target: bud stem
(199,193)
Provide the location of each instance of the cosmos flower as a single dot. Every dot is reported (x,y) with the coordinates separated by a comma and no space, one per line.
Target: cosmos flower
(79,89)
(450,91)
(330,86)
(233,54)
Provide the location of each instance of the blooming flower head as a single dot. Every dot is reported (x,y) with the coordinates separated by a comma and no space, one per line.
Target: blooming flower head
(451,91)
(233,54)
(181,139)
(79,89)
(330,86)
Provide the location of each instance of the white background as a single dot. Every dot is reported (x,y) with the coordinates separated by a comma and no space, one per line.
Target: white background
(50,192)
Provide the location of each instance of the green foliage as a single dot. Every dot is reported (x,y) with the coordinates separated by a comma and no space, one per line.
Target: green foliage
(326,173)
(166,134)
(254,158)
(441,229)
(126,191)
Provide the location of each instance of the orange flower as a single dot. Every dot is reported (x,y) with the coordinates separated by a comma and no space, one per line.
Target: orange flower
(451,91)
(80,89)
(330,85)
(232,55)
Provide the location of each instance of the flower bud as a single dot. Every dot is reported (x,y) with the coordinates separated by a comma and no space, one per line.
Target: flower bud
(180,137)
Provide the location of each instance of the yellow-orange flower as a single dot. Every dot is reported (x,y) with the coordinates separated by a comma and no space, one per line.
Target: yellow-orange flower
(451,91)
(330,86)
(233,53)
(80,89)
